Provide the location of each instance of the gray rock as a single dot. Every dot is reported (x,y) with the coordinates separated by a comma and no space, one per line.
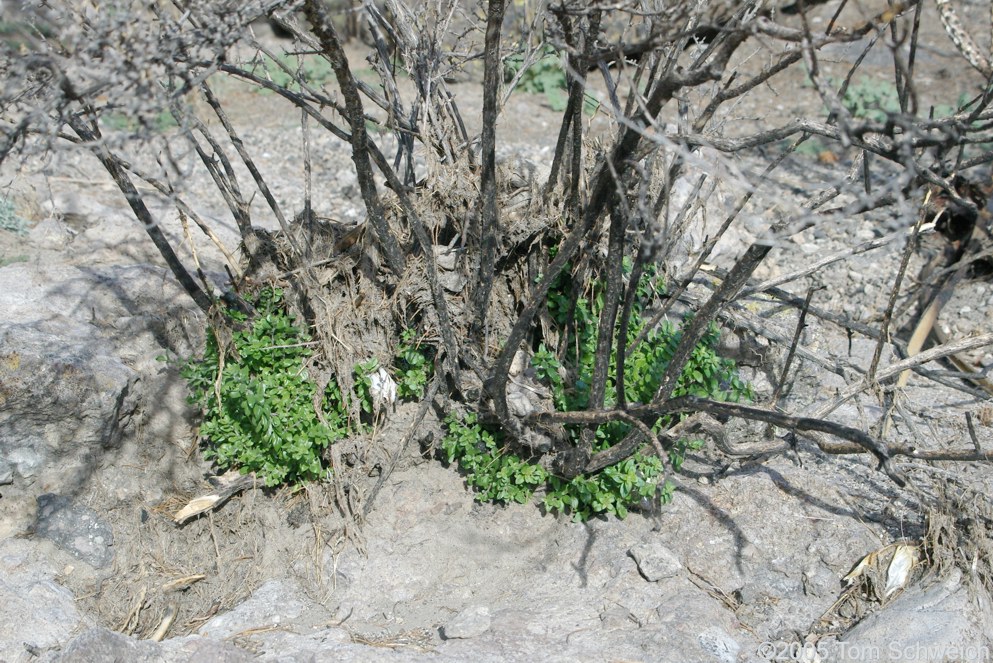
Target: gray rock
(451,281)
(76,529)
(470,623)
(765,584)
(275,603)
(39,613)
(36,613)
(818,580)
(718,643)
(65,399)
(617,617)
(327,644)
(6,472)
(77,349)
(935,623)
(642,600)
(100,645)
(194,650)
(655,561)
(445,258)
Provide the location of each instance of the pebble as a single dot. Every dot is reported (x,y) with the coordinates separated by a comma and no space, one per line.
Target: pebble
(470,623)
(719,644)
(655,561)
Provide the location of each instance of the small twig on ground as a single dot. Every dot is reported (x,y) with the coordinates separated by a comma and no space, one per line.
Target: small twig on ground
(823,262)
(801,324)
(972,431)
(226,486)
(939,352)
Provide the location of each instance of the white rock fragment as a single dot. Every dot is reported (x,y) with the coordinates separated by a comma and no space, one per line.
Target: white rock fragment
(655,562)
(471,622)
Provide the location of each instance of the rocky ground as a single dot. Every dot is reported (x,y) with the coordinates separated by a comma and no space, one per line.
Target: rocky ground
(746,564)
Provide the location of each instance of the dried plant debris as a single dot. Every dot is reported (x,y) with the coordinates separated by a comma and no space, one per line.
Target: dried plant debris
(960,532)
(962,217)
(226,485)
(874,581)
(881,573)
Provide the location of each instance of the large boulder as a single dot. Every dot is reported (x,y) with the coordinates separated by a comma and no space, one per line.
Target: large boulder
(36,612)
(67,391)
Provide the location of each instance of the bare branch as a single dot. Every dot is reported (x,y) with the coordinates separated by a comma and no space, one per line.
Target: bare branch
(328,36)
(489,218)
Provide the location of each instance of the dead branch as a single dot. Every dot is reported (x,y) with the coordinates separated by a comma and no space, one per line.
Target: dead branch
(91,138)
(327,35)
(626,448)
(489,218)
(939,352)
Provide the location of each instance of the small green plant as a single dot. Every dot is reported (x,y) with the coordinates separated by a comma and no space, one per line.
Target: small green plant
(498,475)
(546,76)
(877,100)
(612,490)
(866,98)
(9,219)
(871,99)
(161,122)
(257,398)
(311,69)
(413,365)
(4,260)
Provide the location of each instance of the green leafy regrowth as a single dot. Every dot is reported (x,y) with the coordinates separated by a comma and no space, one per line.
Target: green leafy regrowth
(871,99)
(258,399)
(413,365)
(877,99)
(9,219)
(501,476)
(545,76)
(158,123)
(311,69)
(4,260)
(495,474)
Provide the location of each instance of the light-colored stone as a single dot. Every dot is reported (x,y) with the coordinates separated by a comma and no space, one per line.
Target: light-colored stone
(6,472)
(36,612)
(470,623)
(276,603)
(930,623)
(718,643)
(655,561)
(101,645)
